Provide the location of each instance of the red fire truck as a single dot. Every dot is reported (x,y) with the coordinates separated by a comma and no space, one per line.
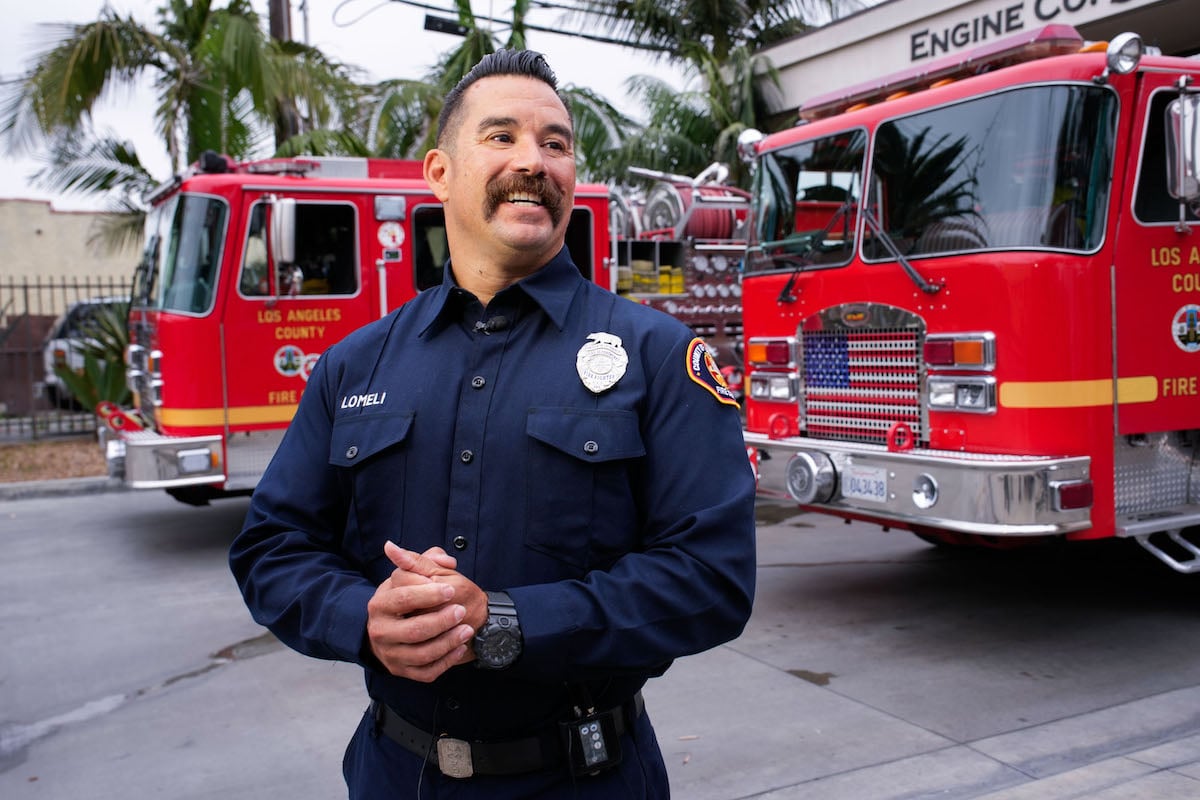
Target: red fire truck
(252,270)
(971,296)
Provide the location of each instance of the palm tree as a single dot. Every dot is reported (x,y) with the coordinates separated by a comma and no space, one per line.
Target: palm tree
(599,127)
(398,118)
(721,26)
(689,129)
(220,81)
(718,44)
(390,119)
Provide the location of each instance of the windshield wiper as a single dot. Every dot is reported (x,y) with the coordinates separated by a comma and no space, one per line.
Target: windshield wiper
(889,245)
(802,259)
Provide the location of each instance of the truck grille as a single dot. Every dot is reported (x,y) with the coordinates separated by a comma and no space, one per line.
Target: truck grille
(858,383)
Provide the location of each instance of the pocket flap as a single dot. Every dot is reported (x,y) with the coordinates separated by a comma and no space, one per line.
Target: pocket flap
(587,434)
(359,437)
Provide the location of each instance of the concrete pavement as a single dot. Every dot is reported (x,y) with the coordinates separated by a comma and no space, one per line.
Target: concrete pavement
(254,719)
(790,739)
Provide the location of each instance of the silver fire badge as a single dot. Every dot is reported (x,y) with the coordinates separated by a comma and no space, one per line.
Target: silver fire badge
(601,362)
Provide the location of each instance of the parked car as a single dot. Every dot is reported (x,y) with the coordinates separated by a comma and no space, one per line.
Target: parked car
(77,328)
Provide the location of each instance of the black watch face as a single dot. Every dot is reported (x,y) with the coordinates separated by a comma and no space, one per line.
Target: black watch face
(499,646)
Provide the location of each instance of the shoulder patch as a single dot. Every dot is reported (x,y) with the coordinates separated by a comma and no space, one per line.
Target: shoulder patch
(702,368)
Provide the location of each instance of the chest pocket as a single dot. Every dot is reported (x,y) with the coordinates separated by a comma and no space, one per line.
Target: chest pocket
(377,507)
(580,500)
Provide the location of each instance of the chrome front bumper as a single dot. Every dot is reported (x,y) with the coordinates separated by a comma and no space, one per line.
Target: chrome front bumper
(148,460)
(998,495)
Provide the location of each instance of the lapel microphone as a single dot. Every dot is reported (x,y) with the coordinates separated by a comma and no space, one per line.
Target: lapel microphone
(496,323)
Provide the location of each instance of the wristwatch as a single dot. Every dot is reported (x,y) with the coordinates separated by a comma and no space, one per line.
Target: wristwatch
(498,642)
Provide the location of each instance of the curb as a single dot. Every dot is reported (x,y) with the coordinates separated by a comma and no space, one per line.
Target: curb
(64,487)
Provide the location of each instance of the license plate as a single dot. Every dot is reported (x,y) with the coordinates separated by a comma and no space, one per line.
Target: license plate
(865,483)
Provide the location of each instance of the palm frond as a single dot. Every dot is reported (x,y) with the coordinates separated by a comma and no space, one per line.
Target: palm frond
(77,65)
(118,229)
(89,164)
(323,142)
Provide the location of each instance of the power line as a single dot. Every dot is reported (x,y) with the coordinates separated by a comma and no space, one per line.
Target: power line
(577,34)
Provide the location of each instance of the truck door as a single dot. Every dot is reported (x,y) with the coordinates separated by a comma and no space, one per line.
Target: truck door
(1157,275)
(279,321)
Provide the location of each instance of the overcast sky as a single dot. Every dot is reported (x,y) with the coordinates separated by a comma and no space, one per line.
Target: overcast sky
(385,38)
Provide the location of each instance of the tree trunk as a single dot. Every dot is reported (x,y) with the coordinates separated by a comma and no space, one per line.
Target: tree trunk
(287,120)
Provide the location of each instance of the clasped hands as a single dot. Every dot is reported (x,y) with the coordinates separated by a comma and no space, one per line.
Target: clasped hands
(421,620)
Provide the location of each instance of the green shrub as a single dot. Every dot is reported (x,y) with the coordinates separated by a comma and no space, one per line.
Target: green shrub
(104,340)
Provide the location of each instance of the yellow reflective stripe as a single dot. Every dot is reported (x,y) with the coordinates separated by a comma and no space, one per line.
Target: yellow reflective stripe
(1142,389)
(215,417)
(1077,394)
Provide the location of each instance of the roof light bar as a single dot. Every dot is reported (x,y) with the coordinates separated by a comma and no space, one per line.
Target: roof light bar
(1029,46)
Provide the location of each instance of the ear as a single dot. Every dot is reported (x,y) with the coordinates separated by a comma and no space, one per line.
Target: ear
(436,166)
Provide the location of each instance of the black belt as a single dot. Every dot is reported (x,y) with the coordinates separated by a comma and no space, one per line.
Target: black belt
(462,759)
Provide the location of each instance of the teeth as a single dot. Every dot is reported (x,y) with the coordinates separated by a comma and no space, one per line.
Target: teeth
(524,198)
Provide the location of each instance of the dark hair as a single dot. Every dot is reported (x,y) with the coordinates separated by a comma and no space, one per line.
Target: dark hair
(527,63)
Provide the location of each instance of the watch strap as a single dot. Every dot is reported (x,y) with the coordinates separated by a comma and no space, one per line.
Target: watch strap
(500,603)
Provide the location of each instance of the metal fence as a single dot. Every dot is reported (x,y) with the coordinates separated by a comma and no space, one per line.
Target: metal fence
(28,311)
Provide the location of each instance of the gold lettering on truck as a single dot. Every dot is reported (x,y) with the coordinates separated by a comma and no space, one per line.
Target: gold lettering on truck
(286,332)
(1179,387)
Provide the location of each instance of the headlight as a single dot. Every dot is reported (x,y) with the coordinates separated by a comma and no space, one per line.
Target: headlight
(776,388)
(977,395)
(1124,52)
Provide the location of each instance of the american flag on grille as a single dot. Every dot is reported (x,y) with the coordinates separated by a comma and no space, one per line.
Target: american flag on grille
(857,384)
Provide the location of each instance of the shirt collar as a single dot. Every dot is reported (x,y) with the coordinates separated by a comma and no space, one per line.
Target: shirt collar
(552,287)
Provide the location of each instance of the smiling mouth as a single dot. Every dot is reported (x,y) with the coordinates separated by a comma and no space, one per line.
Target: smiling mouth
(525,199)
(524,192)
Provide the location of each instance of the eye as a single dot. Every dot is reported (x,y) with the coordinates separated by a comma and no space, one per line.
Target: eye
(503,138)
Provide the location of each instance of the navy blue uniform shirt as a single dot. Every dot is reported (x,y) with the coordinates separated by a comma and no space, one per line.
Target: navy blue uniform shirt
(620,522)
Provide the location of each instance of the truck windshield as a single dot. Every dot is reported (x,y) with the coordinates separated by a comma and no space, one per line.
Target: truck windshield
(1028,168)
(184,238)
(805,203)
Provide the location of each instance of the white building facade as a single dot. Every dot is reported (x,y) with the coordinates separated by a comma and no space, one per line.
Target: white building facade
(904,34)
(40,243)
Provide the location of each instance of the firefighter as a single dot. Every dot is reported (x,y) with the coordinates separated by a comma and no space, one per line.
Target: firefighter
(513,500)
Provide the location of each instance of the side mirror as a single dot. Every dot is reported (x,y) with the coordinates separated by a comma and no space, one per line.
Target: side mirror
(283,230)
(1183,148)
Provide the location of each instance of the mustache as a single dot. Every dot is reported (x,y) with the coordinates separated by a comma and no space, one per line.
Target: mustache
(549,195)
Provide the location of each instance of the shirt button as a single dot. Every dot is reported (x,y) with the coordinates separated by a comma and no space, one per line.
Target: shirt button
(351,451)
(478,382)
(466,456)
(591,448)
(460,543)
(453,704)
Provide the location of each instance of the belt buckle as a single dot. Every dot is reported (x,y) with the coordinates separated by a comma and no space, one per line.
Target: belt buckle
(454,757)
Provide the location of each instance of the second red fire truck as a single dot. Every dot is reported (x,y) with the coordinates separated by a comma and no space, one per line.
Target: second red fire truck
(972,294)
(252,270)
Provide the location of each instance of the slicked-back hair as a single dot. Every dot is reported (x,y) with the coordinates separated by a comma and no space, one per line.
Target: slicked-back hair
(525,63)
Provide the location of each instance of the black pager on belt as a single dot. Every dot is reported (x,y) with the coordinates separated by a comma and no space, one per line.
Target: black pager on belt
(592,742)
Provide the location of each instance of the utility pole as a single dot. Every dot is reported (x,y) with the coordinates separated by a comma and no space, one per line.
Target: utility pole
(287,121)
(304,16)
(281,19)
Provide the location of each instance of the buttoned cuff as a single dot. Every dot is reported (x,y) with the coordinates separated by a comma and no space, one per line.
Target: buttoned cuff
(345,633)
